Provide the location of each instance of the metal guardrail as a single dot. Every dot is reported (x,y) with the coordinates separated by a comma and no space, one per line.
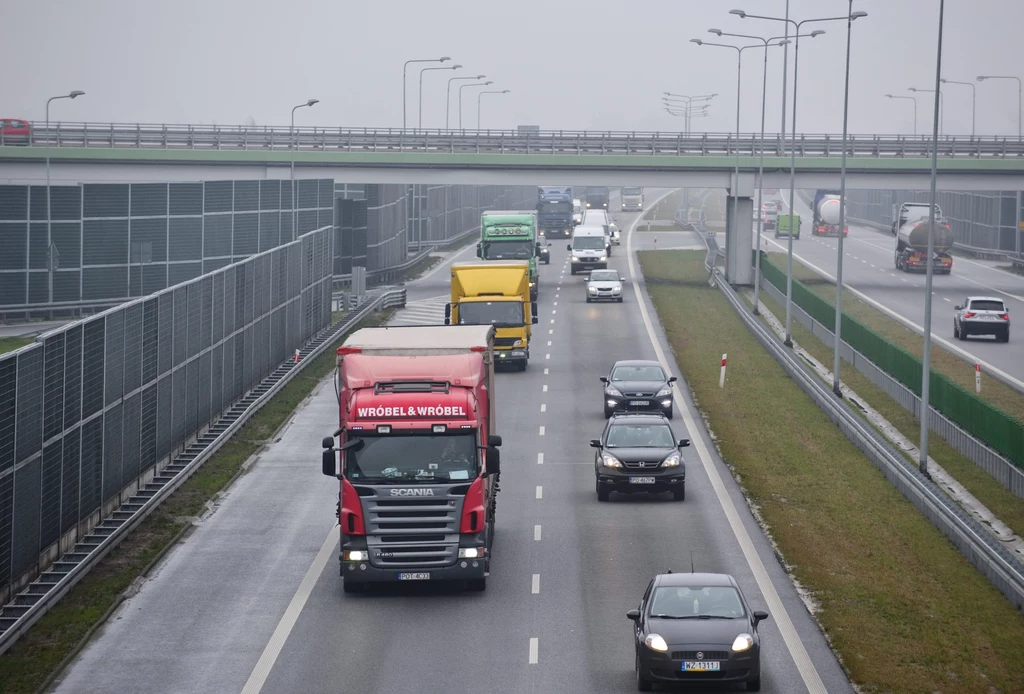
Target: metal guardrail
(39,596)
(199,137)
(974,542)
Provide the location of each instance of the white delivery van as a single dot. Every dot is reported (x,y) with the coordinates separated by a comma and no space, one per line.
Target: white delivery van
(589,248)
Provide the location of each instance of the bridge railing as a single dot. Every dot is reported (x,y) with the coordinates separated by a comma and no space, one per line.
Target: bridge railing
(313,139)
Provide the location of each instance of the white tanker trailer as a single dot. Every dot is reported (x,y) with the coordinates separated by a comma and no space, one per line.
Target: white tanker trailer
(825,211)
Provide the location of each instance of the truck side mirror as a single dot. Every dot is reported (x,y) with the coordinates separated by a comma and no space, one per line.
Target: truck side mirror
(535,319)
(493,461)
(328,442)
(533,308)
(493,440)
(447,314)
(684,443)
(328,462)
(568,247)
(479,250)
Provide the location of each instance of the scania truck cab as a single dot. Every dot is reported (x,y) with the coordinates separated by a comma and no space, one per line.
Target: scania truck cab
(416,455)
(511,235)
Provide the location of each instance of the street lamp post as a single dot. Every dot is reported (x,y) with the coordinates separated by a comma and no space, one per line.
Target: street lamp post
(926,356)
(669,96)
(50,257)
(974,99)
(448,97)
(982,78)
(461,87)
(896,96)
(792,164)
(404,89)
(479,99)
(295,145)
(942,105)
(419,122)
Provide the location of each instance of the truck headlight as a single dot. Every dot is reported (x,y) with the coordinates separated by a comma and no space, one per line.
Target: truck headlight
(471,552)
(355,555)
(602,257)
(609,460)
(517,343)
(575,259)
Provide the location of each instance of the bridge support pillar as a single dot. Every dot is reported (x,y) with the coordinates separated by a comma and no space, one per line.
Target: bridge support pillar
(739,232)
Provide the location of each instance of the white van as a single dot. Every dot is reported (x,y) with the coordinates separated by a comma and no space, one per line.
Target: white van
(598,217)
(589,248)
(577,210)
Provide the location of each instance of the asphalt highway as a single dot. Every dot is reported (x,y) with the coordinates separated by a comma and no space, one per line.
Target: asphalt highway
(252,602)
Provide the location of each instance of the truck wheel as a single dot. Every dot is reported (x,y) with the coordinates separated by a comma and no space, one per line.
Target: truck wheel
(353,586)
(603,493)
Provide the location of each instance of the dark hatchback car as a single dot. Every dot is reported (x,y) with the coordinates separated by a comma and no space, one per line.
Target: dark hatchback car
(638,385)
(639,453)
(696,627)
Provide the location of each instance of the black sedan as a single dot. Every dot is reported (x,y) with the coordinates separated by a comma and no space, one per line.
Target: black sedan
(544,252)
(696,627)
(638,385)
(639,453)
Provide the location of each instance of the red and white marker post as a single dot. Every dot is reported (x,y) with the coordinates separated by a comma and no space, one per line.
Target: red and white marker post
(721,375)
(296,356)
(977,379)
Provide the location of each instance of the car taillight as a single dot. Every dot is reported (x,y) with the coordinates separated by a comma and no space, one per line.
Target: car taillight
(473,508)
(351,510)
(1004,316)
(970,314)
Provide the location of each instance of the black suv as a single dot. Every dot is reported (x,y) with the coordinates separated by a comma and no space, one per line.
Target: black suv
(638,385)
(639,453)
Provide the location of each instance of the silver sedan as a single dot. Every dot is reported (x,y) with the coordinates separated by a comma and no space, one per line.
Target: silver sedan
(604,285)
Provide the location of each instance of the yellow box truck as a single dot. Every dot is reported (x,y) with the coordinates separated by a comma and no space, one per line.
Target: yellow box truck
(495,293)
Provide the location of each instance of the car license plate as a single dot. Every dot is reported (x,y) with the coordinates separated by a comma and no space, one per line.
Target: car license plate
(641,480)
(639,403)
(414,577)
(700,666)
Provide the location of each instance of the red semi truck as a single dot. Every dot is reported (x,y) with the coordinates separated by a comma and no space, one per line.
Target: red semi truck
(419,461)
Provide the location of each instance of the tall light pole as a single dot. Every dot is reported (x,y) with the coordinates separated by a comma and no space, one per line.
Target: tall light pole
(896,96)
(974,99)
(982,78)
(295,145)
(50,257)
(926,359)
(669,96)
(419,122)
(479,99)
(461,87)
(942,105)
(792,164)
(404,68)
(448,98)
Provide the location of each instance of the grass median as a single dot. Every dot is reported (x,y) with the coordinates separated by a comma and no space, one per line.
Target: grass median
(42,652)
(995,392)
(902,607)
(9,344)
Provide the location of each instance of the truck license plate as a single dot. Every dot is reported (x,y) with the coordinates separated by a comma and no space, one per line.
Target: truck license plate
(639,403)
(700,666)
(641,480)
(414,577)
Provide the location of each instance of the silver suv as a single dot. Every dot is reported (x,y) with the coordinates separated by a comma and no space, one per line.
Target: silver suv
(982,315)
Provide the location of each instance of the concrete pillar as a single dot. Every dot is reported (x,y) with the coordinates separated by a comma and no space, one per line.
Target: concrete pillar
(739,231)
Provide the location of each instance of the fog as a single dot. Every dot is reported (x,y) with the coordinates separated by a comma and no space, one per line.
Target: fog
(570,64)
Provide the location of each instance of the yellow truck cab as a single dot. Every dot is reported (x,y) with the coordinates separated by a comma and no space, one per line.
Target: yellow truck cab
(495,293)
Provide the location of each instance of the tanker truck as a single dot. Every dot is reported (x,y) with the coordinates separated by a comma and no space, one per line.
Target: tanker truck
(912,246)
(825,211)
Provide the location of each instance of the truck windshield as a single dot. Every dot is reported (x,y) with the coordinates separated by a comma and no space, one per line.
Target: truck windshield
(632,191)
(588,243)
(500,314)
(420,457)
(547,207)
(505,250)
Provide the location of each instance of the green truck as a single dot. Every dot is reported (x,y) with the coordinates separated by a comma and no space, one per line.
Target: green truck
(511,235)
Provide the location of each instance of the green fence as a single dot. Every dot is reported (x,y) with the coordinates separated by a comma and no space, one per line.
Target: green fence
(974,415)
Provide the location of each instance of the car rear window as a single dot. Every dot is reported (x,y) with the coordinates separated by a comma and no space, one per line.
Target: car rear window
(987,305)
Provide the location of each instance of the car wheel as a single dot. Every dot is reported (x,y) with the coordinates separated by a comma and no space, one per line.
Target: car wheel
(353,586)
(607,413)
(588,299)
(680,494)
(1005,337)
(963,332)
(620,299)
(642,684)
(754,685)
(671,412)
(603,493)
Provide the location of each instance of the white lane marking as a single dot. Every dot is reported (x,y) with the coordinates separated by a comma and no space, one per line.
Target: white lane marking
(540,492)
(802,660)
(541,429)
(540,458)
(554,311)
(545,371)
(536,533)
(551,331)
(535,584)
(555,303)
(972,359)
(552,320)
(545,388)
(547,356)
(945,299)
(534,650)
(872,265)
(549,343)
(259,674)
(543,407)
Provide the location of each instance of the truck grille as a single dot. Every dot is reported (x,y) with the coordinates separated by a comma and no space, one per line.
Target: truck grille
(504,341)
(412,532)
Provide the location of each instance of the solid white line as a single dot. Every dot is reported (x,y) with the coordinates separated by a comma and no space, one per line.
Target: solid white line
(534,650)
(802,660)
(535,584)
(541,429)
(540,458)
(540,492)
(543,407)
(259,674)
(545,388)
(536,533)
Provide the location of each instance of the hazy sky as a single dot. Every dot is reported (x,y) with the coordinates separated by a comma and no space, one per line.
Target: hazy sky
(570,64)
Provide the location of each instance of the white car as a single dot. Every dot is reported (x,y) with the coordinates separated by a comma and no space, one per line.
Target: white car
(982,315)
(604,285)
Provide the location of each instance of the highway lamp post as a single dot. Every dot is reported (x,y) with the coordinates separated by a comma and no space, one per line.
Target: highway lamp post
(974,99)
(461,87)
(687,114)
(479,100)
(51,256)
(926,356)
(404,71)
(419,122)
(448,98)
(942,105)
(670,97)
(792,164)
(295,146)
(982,78)
(914,100)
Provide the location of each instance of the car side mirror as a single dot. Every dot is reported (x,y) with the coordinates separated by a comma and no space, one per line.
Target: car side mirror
(634,615)
(759,616)
(328,462)
(595,443)
(672,379)
(957,308)
(549,244)
(684,443)
(603,380)
(492,458)
(622,279)
(568,247)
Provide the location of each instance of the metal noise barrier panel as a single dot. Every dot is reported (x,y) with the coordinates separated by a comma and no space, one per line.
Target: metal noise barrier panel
(92,410)
(977,417)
